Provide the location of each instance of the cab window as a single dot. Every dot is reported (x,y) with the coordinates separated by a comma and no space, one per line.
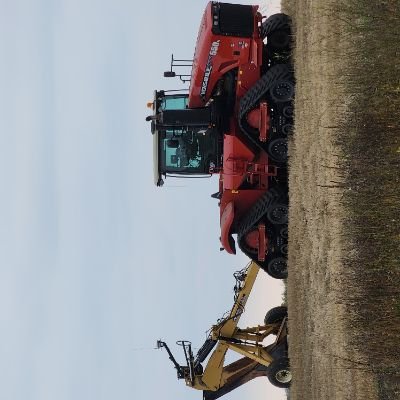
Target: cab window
(181,151)
(174,102)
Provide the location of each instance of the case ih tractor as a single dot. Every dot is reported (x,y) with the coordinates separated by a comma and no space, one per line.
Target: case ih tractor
(234,121)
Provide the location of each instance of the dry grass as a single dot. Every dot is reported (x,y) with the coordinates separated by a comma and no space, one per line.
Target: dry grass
(343,287)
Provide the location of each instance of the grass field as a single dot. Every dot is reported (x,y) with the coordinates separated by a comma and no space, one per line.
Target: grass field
(344,257)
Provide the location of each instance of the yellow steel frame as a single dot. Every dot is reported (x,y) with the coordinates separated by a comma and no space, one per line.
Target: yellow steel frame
(247,342)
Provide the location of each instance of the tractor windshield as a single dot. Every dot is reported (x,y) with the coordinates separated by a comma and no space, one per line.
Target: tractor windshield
(182,150)
(185,142)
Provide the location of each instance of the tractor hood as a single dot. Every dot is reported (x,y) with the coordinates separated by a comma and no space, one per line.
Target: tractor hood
(224,38)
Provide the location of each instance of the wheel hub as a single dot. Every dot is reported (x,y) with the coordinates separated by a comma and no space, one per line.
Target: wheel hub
(286,129)
(283,91)
(279,214)
(283,376)
(288,111)
(278,149)
(284,232)
(278,267)
(284,249)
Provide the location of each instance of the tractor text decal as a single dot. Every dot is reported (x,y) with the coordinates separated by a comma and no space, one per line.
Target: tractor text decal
(213,52)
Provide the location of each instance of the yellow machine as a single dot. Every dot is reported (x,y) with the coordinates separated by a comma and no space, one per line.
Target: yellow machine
(272,361)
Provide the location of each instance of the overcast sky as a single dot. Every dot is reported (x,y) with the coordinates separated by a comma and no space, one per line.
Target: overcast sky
(96,263)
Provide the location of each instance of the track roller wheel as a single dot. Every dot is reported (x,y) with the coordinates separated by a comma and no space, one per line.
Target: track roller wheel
(278,150)
(277,268)
(286,129)
(278,214)
(282,91)
(288,111)
(279,373)
(284,249)
(284,232)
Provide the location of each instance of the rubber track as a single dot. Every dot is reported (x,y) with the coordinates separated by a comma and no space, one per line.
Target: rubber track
(250,100)
(259,209)
(274,23)
(256,214)
(259,91)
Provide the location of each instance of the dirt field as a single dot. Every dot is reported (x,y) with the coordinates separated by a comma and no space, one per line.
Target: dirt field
(344,254)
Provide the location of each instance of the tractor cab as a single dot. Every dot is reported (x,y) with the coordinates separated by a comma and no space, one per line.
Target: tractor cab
(185,141)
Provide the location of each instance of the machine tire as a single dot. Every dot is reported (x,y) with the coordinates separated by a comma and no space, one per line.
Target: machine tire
(282,91)
(286,130)
(277,77)
(288,111)
(274,23)
(277,30)
(278,214)
(279,373)
(275,315)
(278,150)
(279,40)
(284,232)
(284,249)
(277,268)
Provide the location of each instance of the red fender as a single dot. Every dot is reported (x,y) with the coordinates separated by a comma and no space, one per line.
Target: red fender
(227,217)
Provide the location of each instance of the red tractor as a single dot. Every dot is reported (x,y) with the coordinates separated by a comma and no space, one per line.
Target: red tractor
(234,121)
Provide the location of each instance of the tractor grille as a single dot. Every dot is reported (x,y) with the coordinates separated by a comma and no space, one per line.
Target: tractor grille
(232,19)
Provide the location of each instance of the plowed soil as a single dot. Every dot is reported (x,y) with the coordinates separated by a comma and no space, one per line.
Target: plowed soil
(344,250)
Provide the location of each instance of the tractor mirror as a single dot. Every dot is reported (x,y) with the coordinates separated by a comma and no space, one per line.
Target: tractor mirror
(169,74)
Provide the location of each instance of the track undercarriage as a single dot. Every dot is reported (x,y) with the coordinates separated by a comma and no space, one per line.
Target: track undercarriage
(262,234)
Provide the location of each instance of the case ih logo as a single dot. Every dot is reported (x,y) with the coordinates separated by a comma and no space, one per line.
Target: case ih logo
(213,52)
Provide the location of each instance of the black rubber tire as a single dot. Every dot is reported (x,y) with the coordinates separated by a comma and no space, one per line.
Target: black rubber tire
(286,130)
(277,30)
(279,40)
(279,373)
(278,150)
(275,315)
(277,268)
(260,91)
(282,91)
(278,214)
(284,232)
(274,23)
(288,111)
